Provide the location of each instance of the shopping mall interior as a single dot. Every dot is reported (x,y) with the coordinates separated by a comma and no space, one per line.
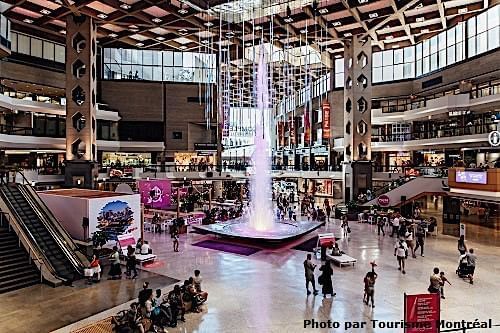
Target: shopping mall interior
(286,158)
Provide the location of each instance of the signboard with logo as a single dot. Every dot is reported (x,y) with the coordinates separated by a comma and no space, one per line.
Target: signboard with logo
(325,107)
(156,193)
(384,200)
(494,138)
(422,313)
(307,126)
(471,177)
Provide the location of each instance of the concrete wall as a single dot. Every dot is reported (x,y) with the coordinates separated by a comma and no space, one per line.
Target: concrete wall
(32,74)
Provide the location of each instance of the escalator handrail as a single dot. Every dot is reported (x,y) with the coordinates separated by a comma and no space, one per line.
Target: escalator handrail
(69,253)
(31,242)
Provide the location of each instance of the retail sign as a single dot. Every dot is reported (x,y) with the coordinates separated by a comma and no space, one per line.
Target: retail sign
(422,313)
(307,126)
(281,133)
(471,177)
(384,200)
(494,138)
(325,107)
(155,193)
(292,132)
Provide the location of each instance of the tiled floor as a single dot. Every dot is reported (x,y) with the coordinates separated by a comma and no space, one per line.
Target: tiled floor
(265,292)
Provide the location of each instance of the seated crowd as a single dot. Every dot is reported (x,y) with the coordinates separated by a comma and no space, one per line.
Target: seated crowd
(154,312)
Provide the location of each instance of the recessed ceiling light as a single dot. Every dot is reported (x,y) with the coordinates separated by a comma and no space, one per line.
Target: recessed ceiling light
(337,56)
(420,19)
(288,46)
(160,38)
(337,23)
(208,24)
(258,27)
(230,34)
(223,49)
(424,31)
(396,46)
(102,16)
(182,11)
(139,44)
(303,31)
(389,37)
(125,6)
(372,15)
(347,34)
(420,5)
(362,1)
(248,44)
(323,11)
(288,20)
(113,35)
(462,10)
(183,47)
(205,41)
(63,32)
(45,11)
(29,21)
(156,20)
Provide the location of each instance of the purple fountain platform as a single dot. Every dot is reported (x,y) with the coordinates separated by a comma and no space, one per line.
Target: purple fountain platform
(281,232)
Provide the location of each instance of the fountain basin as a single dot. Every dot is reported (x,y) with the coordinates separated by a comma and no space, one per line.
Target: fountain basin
(280,231)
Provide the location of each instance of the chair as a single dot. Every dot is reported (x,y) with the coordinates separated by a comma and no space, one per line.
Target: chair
(148,226)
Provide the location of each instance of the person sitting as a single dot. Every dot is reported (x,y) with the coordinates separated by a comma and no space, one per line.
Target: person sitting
(196,281)
(336,250)
(189,295)
(134,318)
(145,248)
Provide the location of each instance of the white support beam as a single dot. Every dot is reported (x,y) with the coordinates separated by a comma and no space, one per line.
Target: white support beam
(441,13)
(371,32)
(402,19)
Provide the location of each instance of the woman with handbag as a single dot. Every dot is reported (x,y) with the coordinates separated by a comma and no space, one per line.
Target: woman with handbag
(325,279)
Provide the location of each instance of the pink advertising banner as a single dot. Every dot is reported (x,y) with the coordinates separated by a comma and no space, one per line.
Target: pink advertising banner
(156,193)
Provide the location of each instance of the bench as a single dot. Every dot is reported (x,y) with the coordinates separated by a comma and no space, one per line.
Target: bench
(128,239)
(342,260)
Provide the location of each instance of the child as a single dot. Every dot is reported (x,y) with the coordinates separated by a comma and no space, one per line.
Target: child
(444,279)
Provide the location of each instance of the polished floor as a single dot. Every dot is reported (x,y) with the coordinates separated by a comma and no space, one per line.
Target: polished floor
(265,292)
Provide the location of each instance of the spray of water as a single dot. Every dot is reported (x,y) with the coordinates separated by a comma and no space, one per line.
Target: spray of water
(261,211)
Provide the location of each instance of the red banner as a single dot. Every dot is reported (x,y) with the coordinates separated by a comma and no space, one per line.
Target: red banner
(422,313)
(307,127)
(292,133)
(325,107)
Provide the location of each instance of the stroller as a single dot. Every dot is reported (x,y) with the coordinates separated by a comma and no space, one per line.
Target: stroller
(463,267)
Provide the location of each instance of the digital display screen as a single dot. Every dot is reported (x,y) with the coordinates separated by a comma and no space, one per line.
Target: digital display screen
(471,177)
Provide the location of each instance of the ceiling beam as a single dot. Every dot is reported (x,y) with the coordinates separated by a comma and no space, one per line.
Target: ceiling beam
(441,13)
(371,32)
(402,20)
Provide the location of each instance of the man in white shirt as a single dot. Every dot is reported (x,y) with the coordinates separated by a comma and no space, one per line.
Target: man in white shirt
(401,252)
(145,248)
(395,226)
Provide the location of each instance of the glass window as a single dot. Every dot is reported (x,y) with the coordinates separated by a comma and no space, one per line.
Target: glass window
(398,56)
(13,42)
(157,73)
(471,46)
(460,32)
(409,70)
(23,44)
(36,48)
(450,55)
(377,74)
(387,73)
(425,65)
(187,60)
(168,74)
(409,54)
(177,59)
(339,80)
(387,57)
(434,44)
(493,17)
(147,57)
(434,62)
(398,72)
(126,56)
(493,36)
(376,59)
(442,58)
(460,52)
(136,57)
(442,40)
(48,50)
(418,51)
(450,37)
(482,22)
(147,72)
(425,48)
(482,42)
(419,67)
(168,58)
(471,27)
(59,53)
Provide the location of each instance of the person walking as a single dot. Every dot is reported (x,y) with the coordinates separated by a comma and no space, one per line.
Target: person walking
(345,226)
(462,248)
(309,273)
(115,272)
(410,242)
(175,238)
(401,252)
(131,262)
(420,238)
(380,225)
(471,265)
(444,280)
(325,279)
(395,225)
(435,282)
(370,287)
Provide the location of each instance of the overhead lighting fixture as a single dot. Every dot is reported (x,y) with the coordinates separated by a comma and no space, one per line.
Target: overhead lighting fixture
(347,34)
(338,56)
(156,20)
(288,46)
(258,27)
(63,32)
(45,11)
(389,37)
(463,10)
(182,11)
(373,15)
(160,38)
(396,46)
(303,31)
(205,41)
(336,23)
(208,24)
(102,16)
(230,34)
(362,1)
(223,49)
(323,11)
(113,35)
(29,21)
(248,44)
(420,19)
(424,31)
(183,32)
(183,47)
(139,44)
(125,6)
(420,5)
(288,19)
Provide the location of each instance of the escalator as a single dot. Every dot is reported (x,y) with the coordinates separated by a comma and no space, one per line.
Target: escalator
(38,223)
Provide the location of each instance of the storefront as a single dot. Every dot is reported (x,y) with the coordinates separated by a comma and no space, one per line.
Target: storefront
(122,159)
(194,161)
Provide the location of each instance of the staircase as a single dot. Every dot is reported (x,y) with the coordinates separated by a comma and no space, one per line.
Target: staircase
(16,271)
(45,240)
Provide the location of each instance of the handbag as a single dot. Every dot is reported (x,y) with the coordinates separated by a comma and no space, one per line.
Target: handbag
(348,230)
(88,272)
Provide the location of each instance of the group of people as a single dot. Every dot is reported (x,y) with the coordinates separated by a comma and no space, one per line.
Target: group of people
(154,311)
(324,279)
